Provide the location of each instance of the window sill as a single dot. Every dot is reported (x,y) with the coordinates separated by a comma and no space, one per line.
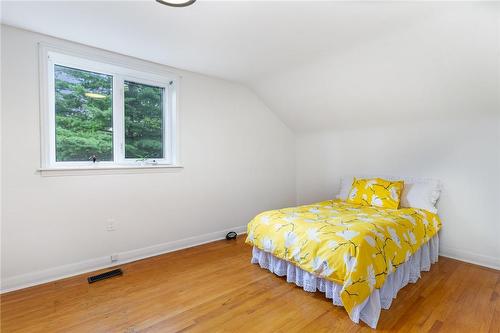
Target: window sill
(107,170)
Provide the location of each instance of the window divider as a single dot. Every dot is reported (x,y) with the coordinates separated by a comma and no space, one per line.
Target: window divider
(118,120)
(168,123)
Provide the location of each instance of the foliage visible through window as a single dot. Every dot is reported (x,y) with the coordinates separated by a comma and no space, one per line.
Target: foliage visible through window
(103,112)
(83,115)
(143,121)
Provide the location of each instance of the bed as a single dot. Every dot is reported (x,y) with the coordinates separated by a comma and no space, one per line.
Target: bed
(360,256)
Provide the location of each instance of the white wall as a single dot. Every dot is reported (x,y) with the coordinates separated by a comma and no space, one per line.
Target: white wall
(463,153)
(238,160)
(420,101)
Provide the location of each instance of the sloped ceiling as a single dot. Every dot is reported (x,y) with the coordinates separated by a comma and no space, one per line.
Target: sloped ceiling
(318,65)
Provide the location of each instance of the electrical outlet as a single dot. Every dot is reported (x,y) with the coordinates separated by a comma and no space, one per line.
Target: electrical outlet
(115,257)
(110,224)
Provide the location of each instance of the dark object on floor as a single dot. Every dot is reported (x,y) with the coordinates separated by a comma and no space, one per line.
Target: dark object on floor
(106,275)
(231,235)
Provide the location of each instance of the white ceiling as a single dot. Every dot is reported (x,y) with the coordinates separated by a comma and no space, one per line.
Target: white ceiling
(314,63)
(236,40)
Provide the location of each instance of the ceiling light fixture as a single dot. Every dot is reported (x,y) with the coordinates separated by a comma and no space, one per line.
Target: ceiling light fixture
(176,3)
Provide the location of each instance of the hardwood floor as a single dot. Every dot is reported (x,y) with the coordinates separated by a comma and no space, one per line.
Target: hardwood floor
(214,287)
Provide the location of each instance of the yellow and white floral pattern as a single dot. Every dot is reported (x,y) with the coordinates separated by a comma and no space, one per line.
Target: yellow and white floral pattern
(353,245)
(376,192)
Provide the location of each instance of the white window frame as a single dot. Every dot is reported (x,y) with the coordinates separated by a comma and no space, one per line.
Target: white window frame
(50,56)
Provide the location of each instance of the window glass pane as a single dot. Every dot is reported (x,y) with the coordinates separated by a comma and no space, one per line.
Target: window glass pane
(143,121)
(84,115)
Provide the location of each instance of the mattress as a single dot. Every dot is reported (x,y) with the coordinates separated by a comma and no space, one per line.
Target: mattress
(352,246)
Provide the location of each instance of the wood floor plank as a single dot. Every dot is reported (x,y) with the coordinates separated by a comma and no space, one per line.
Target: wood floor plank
(214,288)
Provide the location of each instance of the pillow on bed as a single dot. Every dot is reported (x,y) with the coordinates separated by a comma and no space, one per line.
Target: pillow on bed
(376,192)
(420,193)
(423,195)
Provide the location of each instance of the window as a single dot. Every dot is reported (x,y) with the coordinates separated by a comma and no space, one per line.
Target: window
(83,115)
(143,121)
(103,115)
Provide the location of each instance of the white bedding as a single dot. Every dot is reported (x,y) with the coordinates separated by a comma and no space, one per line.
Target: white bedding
(369,311)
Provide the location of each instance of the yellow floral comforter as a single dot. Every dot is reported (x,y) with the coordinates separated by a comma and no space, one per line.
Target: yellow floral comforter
(355,246)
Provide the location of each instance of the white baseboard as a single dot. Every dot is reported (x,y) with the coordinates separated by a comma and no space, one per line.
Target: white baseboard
(470,257)
(61,272)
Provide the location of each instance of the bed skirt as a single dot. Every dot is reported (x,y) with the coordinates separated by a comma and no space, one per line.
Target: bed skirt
(368,311)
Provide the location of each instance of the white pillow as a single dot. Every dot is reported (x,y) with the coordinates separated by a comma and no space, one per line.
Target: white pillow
(420,193)
(345,188)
